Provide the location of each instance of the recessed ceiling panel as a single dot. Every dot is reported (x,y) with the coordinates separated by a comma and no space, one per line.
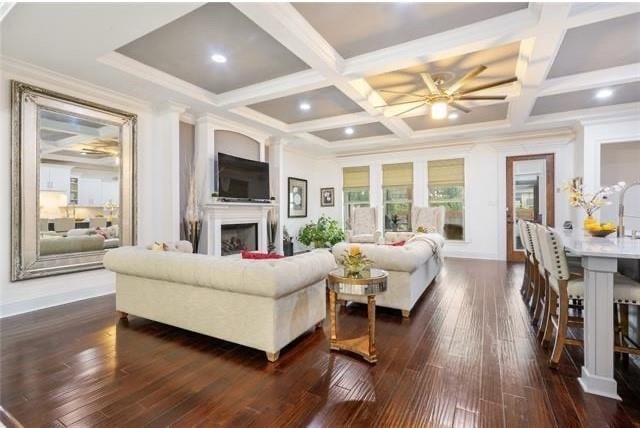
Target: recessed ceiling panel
(357,28)
(477,115)
(597,46)
(184,48)
(359,131)
(500,62)
(620,94)
(323,102)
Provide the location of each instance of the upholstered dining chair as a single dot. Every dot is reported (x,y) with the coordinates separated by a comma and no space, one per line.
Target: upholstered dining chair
(562,287)
(363,225)
(527,280)
(538,273)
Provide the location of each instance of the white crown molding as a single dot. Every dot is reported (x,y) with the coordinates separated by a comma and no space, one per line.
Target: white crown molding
(189,118)
(486,34)
(39,76)
(295,83)
(592,79)
(222,124)
(359,142)
(601,114)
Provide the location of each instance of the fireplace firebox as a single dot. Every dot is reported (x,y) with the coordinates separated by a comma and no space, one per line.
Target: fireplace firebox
(236,238)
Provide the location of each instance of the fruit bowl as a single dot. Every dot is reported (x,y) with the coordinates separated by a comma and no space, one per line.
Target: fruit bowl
(601,233)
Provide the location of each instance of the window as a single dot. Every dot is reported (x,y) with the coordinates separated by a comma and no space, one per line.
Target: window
(397,188)
(355,189)
(446,188)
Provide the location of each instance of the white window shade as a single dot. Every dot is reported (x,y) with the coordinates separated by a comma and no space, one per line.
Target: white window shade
(399,174)
(355,177)
(449,172)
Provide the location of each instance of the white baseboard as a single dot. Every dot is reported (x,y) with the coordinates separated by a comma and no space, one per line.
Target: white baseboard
(470,255)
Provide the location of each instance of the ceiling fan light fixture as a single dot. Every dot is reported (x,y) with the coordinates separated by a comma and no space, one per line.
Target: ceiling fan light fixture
(348,131)
(439,110)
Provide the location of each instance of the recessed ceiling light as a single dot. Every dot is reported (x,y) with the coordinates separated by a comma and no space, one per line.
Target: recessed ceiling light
(305,106)
(219,58)
(453,115)
(604,93)
(348,131)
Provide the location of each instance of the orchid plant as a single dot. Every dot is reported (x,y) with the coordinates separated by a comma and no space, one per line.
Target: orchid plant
(590,202)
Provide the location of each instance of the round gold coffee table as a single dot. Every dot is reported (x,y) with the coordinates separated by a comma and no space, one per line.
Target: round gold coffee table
(369,283)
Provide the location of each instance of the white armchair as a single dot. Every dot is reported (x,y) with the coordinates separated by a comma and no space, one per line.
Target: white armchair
(363,225)
(427,217)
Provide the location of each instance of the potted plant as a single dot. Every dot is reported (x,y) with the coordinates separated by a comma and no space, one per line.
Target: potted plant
(323,234)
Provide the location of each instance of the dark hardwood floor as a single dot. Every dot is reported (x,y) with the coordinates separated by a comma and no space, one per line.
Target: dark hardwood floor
(467,357)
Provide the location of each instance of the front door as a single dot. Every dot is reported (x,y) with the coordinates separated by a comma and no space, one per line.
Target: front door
(530,196)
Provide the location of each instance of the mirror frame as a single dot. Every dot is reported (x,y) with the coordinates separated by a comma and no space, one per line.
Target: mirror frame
(26,261)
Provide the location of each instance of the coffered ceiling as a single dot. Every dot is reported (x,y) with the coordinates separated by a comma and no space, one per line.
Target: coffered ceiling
(306,72)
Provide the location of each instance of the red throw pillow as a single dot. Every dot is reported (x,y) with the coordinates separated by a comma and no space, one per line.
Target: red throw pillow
(397,244)
(252,255)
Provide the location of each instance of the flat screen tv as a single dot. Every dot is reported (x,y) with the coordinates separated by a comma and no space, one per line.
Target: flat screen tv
(240,178)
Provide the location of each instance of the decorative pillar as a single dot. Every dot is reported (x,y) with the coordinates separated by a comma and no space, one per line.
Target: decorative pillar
(204,172)
(375,192)
(165,177)
(277,182)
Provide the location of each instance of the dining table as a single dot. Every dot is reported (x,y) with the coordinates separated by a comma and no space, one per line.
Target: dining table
(600,257)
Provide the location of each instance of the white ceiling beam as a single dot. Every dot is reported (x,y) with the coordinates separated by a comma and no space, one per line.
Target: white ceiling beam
(258,117)
(350,119)
(591,79)
(540,54)
(295,83)
(597,12)
(284,23)
(618,111)
(486,34)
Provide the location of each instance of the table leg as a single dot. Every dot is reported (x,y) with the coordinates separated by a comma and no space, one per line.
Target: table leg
(371,300)
(597,372)
(332,316)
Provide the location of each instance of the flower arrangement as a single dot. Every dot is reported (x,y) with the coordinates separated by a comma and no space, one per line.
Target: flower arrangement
(325,233)
(590,202)
(354,261)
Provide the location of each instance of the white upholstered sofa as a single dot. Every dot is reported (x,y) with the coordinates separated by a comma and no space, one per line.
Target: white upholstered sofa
(412,268)
(262,304)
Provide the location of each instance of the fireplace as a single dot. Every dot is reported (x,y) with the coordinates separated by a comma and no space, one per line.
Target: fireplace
(235,238)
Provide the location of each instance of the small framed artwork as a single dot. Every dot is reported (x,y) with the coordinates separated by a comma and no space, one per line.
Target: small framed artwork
(297,197)
(327,197)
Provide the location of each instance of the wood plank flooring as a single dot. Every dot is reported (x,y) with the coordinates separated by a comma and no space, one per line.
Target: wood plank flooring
(467,357)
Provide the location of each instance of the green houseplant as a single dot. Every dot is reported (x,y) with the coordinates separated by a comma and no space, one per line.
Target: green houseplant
(325,233)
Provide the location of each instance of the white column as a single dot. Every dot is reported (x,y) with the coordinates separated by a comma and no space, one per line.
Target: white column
(375,192)
(203,167)
(166,171)
(597,372)
(277,183)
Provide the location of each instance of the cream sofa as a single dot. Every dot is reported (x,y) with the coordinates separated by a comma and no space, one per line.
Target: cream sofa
(262,304)
(412,268)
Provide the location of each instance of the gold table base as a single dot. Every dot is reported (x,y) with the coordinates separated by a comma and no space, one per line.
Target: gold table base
(365,346)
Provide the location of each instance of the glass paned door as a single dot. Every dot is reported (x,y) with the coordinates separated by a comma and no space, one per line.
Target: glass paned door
(529,197)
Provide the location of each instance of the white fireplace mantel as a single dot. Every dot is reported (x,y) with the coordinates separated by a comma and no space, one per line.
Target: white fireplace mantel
(218,213)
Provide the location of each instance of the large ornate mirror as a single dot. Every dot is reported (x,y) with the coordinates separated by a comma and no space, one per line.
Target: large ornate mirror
(72,182)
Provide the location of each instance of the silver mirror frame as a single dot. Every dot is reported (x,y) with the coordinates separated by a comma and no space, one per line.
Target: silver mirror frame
(25,259)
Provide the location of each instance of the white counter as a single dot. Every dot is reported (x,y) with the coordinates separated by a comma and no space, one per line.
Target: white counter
(600,262)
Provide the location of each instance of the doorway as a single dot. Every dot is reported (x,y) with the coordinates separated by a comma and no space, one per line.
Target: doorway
(530,196)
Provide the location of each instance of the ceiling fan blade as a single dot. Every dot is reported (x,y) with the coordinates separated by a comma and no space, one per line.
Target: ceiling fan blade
(411,109)
(489,85)
(459,107)
(400,93)
(428,80)
(481,97)
(464,79)
(399,104)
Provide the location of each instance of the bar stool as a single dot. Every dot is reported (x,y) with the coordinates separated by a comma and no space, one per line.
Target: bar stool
(539,286)
(561,287)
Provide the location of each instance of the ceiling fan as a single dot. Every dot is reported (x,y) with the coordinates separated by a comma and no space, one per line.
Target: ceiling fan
(439,98)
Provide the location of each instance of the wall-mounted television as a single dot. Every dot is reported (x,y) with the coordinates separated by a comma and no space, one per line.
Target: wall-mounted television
(242,179)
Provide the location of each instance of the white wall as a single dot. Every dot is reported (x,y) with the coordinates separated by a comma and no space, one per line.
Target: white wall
(621,162)
(23,296)
(485,189)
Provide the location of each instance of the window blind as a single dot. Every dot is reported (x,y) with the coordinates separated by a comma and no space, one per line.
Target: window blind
(356,176)
(398,174)
(449,172)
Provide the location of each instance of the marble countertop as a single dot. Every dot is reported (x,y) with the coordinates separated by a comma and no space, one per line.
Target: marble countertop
(585,245)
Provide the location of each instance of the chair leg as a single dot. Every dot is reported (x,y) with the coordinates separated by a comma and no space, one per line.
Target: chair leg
(550,309)
(624,329)
(525,275)
(563,326)
(537,296)
(542,313)
(527,291)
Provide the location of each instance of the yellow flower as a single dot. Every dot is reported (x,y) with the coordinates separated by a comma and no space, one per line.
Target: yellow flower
(354,250)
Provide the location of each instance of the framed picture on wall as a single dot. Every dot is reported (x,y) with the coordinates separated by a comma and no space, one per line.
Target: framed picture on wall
(327,195)
(297,197)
